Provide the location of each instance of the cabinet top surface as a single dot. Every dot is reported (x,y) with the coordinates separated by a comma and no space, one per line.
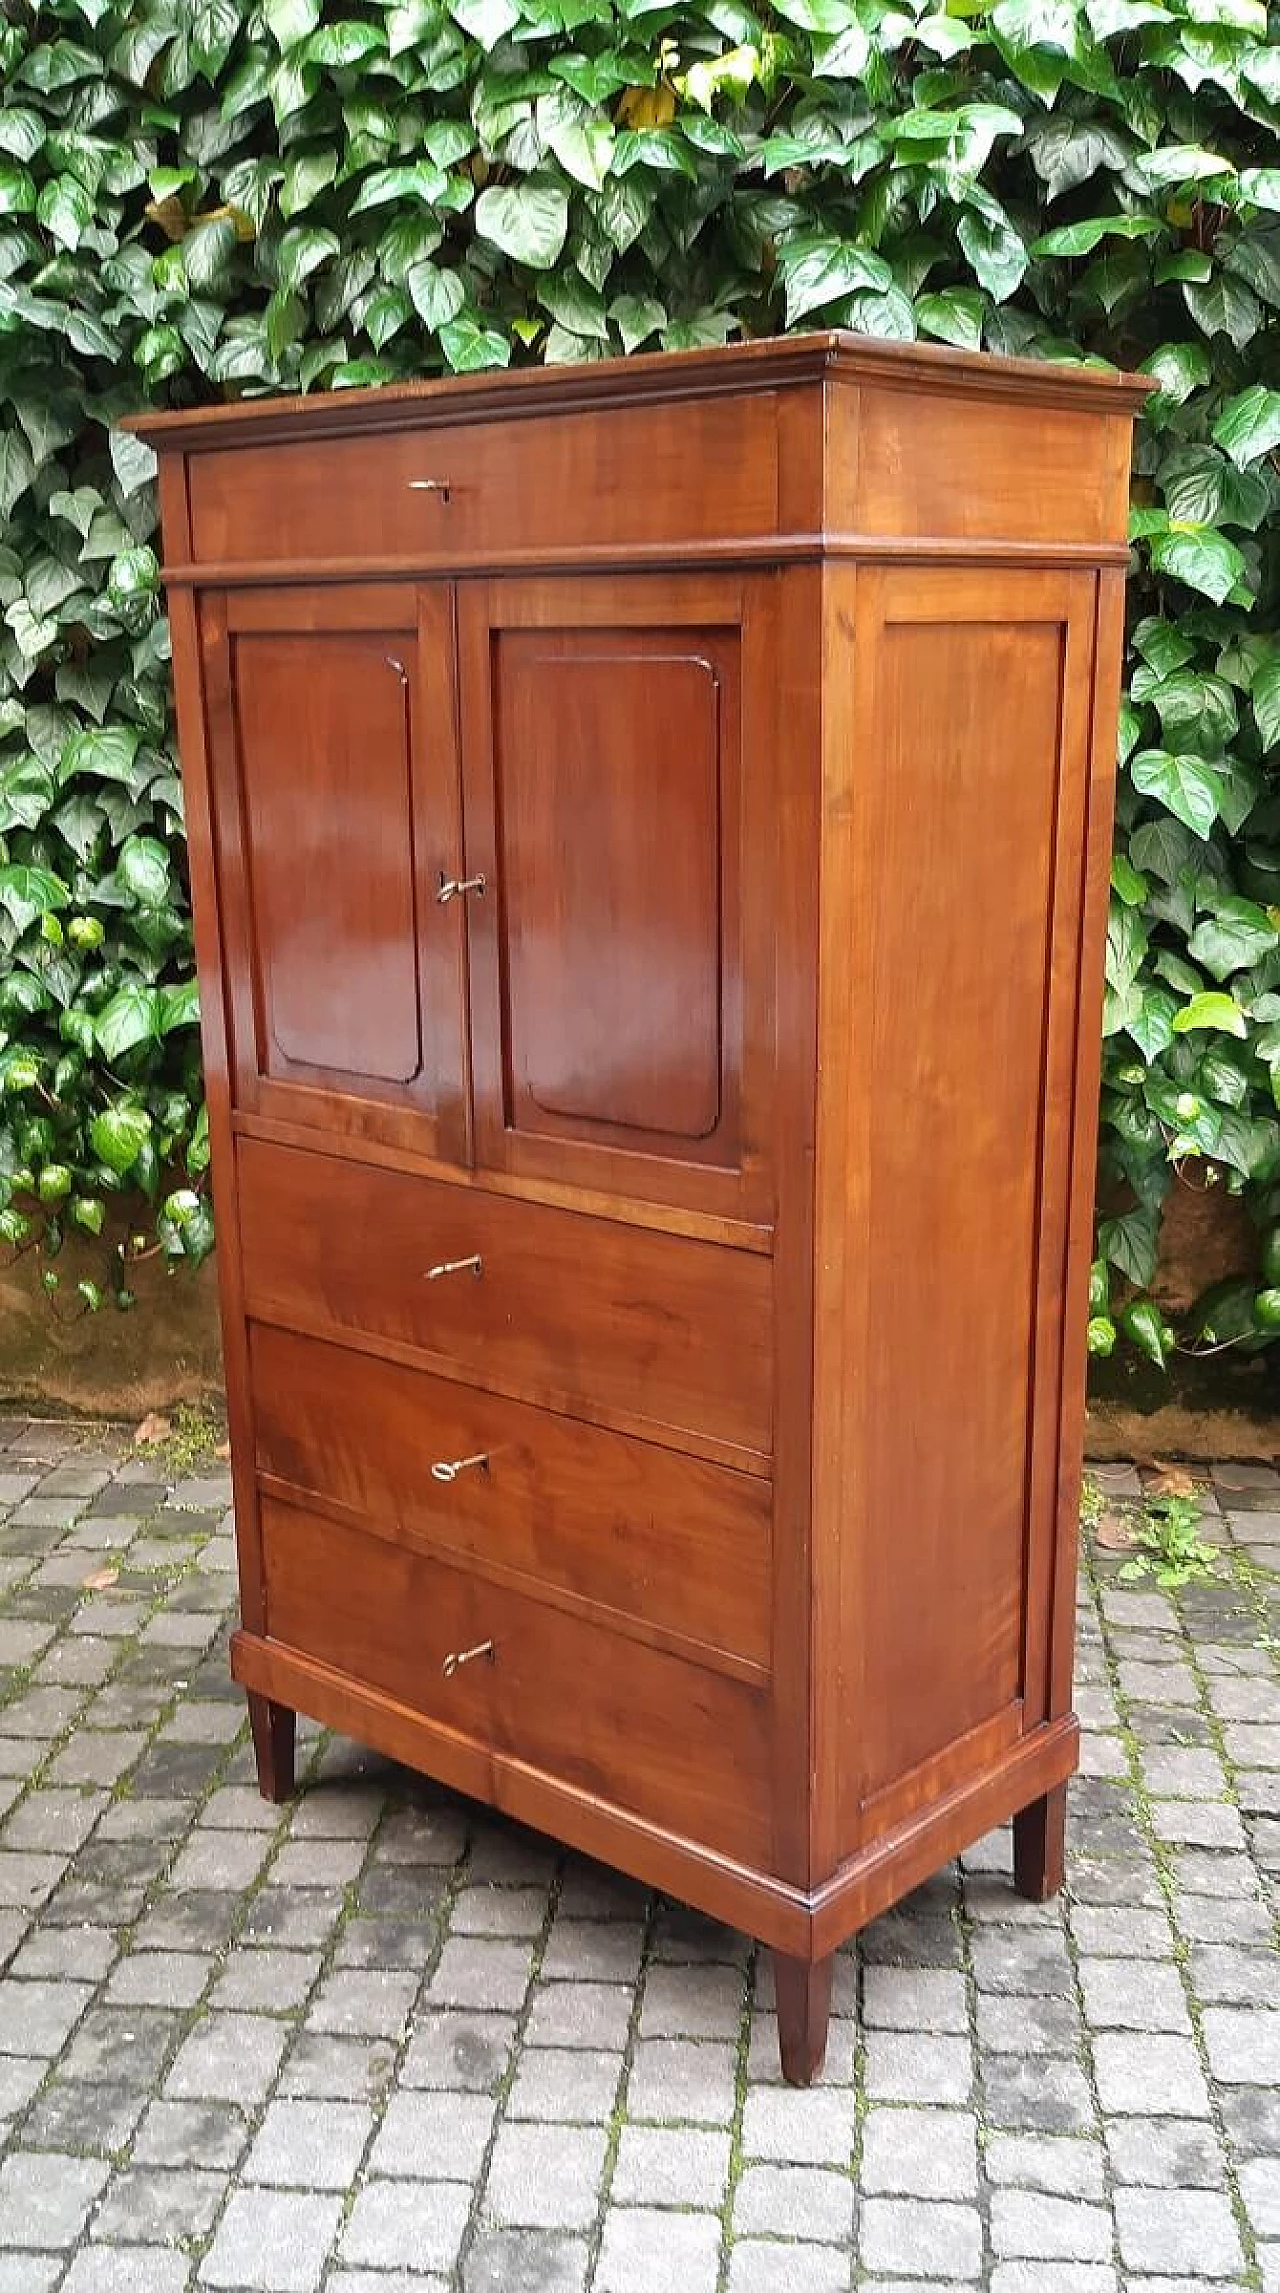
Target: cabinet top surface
(779,363)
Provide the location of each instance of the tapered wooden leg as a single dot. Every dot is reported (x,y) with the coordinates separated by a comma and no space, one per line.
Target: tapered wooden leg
(273,1731)
(804,2007)
(1040,1846)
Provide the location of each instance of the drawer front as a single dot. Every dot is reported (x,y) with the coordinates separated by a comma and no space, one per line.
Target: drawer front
(702,470)
(652,1537)
(569,1312)
(639,1728)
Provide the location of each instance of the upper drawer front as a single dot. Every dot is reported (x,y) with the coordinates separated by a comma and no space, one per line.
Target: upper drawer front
(647,1536)
(638,1727)
(702,470)
(575,1313)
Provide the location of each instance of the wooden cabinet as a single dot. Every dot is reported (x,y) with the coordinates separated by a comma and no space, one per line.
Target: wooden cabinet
(650,830)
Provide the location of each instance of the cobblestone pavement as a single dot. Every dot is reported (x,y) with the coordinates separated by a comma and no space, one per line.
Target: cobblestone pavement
(382,2041)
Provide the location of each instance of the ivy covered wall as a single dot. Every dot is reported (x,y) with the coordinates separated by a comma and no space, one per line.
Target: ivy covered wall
(203,198)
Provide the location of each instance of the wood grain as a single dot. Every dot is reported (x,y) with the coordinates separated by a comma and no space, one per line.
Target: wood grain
(749,1099)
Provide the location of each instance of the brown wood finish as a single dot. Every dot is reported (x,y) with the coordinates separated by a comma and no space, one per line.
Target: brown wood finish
(1040,1845)
(642,1729)
(803,1988)
(668,1547)
(273,1728)
(772,695)
(621,475)
(606,1321)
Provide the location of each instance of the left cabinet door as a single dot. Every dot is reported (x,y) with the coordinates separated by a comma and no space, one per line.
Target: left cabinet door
(334,753)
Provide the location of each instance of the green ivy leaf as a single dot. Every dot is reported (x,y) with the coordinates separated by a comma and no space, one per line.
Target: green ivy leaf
(1234,936)
(118,1136)
(1184,784)
(1209,1011)
(106,752)
(528,221)
(132,1016)
(1201,557)
(1265,697)
(1249,425)
(143,867)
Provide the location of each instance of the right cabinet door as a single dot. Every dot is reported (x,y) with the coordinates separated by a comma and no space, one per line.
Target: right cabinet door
(616,759)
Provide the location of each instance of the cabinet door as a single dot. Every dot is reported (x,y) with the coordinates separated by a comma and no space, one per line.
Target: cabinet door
(616,764)
(334,750)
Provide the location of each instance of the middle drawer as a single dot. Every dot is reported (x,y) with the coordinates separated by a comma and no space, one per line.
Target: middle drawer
(639,1534)
(653,1332)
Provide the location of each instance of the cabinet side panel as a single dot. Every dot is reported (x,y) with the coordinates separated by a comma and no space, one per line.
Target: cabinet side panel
(970,749)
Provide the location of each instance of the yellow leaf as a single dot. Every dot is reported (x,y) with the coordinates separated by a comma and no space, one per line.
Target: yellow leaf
(170,215)
(647,107)
(99,1579)
(153,1428)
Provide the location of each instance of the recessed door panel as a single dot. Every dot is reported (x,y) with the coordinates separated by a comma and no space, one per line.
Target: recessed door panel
(323,731)
(620,955)
(334,745)
(609,760)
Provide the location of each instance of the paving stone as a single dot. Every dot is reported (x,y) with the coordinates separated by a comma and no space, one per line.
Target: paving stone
(1133,1994)
(513,2261)
(1031,1960)
(1243,2045)
(228,2058)
(901,2235)
(1149,2076)
(578,1950)
(1183,2231)
(545,2177)
(1260,2189)
(318,1863)
(274,2240)
(482,1971)
(692,2002)
(460,2052)
(915,1999)
(309,2145)
(564,2083)
(645,2251)
(151,2205)
(919,2153)
(359,2003)
(45,2198)
(1034,2226)
(123,2045)
(755,2267)
(1059,2166)
(913,2066)
(140,2269)
(682,2078)
(1053,2277)
(809,2127)
(1009,2024)
(805,2202)
(38,2017)
(273,1982)
(321,2067)
(159,1978)
(95,2118)
(220,1859)
(190,2133)
(1050,2097)
(425,2139)
(401,2224)
(660,2165)
(596,2015)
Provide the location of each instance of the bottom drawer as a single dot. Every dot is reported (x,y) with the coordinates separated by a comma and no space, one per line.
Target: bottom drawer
(641,1729)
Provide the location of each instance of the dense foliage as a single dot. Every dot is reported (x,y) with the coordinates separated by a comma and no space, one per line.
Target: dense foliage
(200,198)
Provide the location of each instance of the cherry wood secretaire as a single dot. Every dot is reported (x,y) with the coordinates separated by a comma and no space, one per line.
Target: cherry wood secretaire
(649,831)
